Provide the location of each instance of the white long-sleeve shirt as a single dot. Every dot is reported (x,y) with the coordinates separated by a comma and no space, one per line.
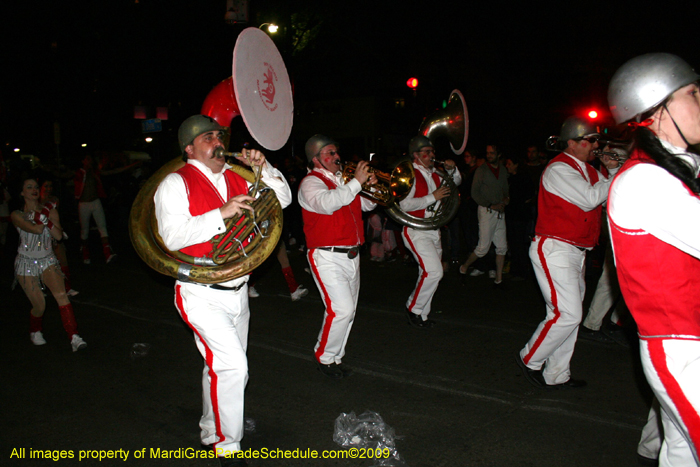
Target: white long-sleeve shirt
(179,229)
(649,198)
(315,196)
(564,181)
(410,203)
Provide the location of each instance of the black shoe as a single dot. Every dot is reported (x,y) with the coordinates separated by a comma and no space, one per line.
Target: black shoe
(332,370)
(616,333)
(591,335)
(647,461)
(232,462)
(417,321)
(534,377)
(571,384)
(346,370)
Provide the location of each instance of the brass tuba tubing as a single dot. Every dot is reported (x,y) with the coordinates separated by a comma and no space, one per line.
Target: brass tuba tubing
(220,152)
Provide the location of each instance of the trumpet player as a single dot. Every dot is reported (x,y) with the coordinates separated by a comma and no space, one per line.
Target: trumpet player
(425,245)
(569,204)
(332,214)
(191,205)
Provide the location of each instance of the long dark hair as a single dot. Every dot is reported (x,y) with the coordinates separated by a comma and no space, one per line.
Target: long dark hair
(648,142)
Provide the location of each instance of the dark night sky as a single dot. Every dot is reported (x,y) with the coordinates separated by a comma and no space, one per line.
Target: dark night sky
(521,68)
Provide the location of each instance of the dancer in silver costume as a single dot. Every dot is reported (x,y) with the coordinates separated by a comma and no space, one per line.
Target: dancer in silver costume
(36,263)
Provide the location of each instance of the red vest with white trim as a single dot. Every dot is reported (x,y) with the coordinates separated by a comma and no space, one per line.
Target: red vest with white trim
(79,183)
(204,197)
(422,189)
(659,281)
(342,228)
(562,220)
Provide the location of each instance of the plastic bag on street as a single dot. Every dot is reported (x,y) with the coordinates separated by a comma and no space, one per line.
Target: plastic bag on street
(371,435)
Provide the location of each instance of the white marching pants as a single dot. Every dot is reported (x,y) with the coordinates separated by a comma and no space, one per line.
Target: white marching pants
(559,268)
(650,441)
(605,294)
(426,248)
(672,368)
(338,280)
(92,209)
(219,320)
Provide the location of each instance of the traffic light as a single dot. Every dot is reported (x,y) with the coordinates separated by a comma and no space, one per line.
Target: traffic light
(412,83)
(592,114)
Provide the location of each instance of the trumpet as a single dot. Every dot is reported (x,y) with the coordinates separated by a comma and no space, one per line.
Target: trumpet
(389,189)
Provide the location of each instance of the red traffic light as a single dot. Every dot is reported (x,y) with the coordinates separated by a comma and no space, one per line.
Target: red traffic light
(592,114)
(412,83)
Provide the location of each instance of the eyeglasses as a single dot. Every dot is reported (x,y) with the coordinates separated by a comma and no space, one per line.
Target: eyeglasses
(330,153)
(590,139)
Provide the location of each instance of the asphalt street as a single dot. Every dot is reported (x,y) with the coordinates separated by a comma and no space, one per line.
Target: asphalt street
(453,394)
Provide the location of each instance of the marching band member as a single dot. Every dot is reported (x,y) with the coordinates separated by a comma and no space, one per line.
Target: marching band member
(425,245)
(334,229)
(569,205)
(191,205)
(654,215)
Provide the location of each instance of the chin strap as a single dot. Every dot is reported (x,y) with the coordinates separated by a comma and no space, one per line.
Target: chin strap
(676,125)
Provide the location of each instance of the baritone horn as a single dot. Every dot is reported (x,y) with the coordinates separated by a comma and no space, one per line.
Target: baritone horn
(259,91)
(452,123)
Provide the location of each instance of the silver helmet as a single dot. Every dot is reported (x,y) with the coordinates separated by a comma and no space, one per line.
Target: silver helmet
(315,144)
(417,143)
(645,82)
(576,127)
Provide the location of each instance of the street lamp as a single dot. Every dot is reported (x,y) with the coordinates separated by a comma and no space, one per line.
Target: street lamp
(271,27)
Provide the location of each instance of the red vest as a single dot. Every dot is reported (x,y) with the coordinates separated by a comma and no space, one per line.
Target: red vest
(659,281)
(562,220)
(204,197)
(79,183)
(422,189)
(342,228)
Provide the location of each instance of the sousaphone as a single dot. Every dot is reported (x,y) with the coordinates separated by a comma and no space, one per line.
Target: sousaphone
(260,92)
(452,123)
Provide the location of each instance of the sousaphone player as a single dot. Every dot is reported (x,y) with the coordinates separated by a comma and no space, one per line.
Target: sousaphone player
(192,206)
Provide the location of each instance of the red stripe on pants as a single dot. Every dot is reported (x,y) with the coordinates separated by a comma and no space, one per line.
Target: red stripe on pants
(329,308)
(555,305)
(687,412)
(422,266)
(209,358)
